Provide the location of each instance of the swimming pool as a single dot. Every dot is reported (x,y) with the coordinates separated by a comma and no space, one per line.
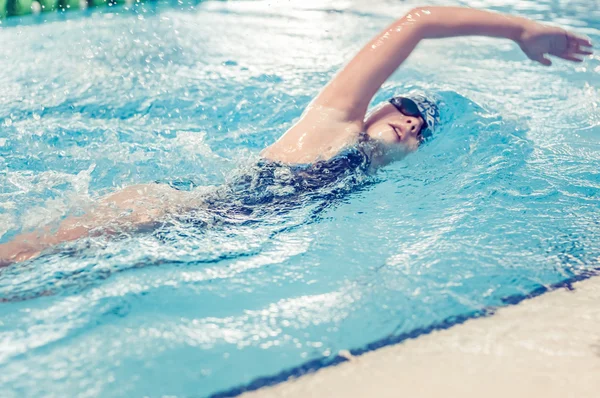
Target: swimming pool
(501,205)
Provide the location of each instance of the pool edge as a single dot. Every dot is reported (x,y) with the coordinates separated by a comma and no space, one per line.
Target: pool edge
(548,345)
(309,368)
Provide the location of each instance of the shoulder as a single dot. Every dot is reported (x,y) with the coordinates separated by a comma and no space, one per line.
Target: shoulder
(320,134)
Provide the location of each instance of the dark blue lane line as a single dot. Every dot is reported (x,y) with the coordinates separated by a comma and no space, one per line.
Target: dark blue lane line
(316,364)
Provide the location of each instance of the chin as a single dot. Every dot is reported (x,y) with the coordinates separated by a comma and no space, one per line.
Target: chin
(382,152)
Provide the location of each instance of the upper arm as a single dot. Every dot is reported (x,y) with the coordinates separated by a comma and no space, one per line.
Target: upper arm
(353,87)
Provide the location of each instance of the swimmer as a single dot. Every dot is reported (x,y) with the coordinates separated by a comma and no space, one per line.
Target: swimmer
(334,135)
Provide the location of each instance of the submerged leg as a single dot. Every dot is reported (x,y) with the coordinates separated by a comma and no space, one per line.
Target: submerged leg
(133,209)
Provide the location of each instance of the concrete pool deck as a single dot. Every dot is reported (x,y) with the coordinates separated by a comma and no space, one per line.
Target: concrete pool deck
(548,346)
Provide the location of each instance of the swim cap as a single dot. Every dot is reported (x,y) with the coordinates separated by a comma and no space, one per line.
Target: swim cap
(426,106)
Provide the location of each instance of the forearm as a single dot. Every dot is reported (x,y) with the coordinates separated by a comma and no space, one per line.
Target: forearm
(440,22)
(391,47)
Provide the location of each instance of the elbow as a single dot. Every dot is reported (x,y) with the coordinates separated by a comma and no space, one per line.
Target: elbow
(420,18)
(419,13)
(428,20)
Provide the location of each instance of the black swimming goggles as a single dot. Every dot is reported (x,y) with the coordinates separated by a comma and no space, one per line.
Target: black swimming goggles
(407,107)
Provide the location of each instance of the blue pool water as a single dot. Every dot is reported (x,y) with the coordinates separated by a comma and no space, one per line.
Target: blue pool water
(503,203)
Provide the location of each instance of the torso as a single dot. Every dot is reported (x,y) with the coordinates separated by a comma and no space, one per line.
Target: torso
(273,186)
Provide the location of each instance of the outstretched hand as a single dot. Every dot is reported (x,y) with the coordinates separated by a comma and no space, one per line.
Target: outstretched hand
(538,40)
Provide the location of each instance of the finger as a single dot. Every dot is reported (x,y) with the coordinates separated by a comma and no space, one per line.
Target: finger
(541,59)
(580,48)
(577,50)
(584,52)
(570,57)
(579,40)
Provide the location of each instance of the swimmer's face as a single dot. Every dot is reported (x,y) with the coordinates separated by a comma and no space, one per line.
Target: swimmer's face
(400,134)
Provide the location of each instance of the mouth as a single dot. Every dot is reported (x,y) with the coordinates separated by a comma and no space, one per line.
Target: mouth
(397,131)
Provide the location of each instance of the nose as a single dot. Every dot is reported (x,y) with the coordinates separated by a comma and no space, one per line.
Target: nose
(410,123)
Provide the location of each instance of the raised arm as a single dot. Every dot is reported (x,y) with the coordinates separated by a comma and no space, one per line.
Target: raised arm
(337,113)
(354,86)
